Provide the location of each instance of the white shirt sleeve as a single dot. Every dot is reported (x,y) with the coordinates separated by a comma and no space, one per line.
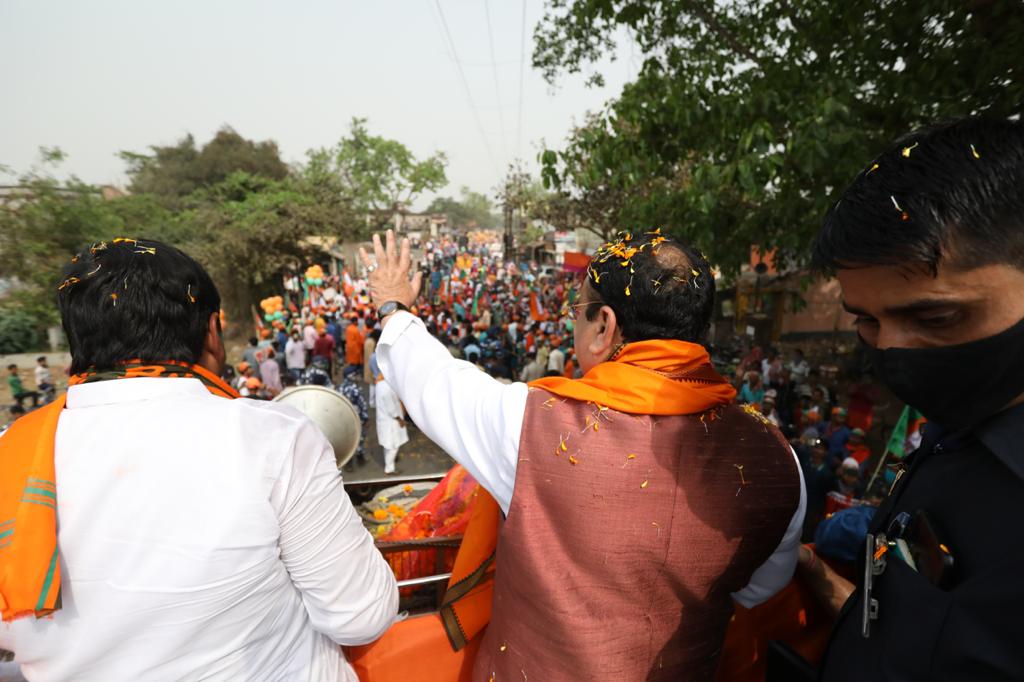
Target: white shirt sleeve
(775,573)
(347,587)
(473,417)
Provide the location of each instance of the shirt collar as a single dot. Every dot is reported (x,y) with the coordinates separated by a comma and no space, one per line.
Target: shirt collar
(116,391)
(1003,435)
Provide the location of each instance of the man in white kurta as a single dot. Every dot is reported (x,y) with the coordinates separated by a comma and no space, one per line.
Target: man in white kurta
(391,431)
(199,537)
(202,538)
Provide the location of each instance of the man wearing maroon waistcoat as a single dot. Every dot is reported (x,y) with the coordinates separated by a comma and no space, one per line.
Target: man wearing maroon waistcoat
(639,502)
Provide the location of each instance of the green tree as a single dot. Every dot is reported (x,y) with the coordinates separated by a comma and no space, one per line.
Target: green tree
(748,117)
(43,222)
(602,177)
(376,175)
(180,169)
(248,231)
(19,332)
(471,210)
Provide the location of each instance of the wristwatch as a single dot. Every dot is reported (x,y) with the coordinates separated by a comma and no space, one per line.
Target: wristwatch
(389,307)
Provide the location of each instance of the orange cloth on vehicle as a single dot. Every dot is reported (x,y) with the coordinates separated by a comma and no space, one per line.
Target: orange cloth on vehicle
(413,649)
(30,579)
(444,512)
(354,345)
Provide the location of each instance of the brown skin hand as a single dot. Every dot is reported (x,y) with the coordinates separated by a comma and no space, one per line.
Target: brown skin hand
(831,589)
(213,356)
(908,307)
(390,280)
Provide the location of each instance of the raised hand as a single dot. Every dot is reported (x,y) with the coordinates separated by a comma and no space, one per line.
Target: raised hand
(389,272)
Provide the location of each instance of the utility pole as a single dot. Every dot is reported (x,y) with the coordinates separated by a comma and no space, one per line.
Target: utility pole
(510,250)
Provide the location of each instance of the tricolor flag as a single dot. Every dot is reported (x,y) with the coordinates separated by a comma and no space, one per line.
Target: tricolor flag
(908,423)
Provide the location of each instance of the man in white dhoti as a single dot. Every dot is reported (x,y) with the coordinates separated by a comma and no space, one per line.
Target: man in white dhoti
(391,431)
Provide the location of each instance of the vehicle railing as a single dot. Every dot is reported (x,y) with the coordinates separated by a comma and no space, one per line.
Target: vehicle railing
(439,579)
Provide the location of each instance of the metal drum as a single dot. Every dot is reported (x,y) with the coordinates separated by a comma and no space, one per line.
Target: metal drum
(330,411)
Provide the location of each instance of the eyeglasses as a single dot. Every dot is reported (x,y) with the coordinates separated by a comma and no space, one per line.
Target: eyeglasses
(570,310)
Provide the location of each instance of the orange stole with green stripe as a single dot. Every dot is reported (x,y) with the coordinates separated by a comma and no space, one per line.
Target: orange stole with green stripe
(30,576)
(29,565)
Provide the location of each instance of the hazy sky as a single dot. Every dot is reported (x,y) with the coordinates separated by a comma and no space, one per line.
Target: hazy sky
(98,76)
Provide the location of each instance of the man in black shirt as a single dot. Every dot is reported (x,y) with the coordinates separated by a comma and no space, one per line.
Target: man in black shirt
(928,244)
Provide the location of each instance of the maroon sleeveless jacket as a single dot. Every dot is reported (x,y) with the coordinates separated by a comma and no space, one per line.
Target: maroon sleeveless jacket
(623,542)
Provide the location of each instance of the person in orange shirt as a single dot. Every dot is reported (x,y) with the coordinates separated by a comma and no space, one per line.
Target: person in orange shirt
(354,345)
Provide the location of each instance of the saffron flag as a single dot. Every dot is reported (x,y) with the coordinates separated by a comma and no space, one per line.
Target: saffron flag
(573,261)
(536,314)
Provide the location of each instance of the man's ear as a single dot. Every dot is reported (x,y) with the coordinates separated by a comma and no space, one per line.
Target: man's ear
(606,333)
(214,355)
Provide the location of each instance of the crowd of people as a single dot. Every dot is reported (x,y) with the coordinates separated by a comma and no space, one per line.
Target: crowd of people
(511,321)
(826,422)
(515,323)
(619,521)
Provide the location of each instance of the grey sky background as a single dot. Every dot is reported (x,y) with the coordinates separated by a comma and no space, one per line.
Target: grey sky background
(98,76)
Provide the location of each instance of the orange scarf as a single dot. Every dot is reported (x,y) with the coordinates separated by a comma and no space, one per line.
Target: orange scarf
(30,579)
(662,377)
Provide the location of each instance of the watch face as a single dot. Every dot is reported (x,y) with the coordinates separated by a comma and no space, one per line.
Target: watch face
(388,308)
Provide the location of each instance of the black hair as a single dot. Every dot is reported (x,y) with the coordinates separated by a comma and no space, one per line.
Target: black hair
(253,341)
(951,190)
(134,299)
(12,366)
(41,358)
(658,287)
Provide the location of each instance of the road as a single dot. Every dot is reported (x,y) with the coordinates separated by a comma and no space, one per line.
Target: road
(419,457)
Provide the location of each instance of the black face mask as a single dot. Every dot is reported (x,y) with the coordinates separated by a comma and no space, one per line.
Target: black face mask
(958,386)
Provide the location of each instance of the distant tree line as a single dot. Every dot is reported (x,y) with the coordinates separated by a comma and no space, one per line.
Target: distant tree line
(233,203)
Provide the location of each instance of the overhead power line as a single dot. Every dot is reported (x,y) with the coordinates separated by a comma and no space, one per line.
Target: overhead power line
(494,72)
(522,73)
(465,84)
